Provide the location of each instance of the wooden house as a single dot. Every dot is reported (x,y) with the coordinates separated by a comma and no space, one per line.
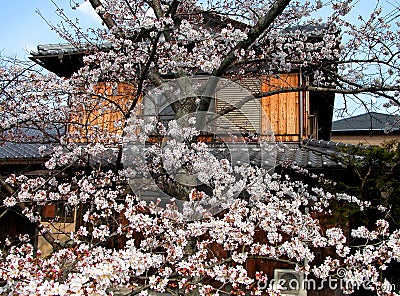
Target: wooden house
(292,117)
(368,129)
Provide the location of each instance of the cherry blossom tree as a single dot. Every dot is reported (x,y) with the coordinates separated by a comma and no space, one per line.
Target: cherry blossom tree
(212,217)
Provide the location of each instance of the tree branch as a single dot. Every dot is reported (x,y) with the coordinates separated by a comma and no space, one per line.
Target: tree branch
(105,17)
(255,32)
(262,25)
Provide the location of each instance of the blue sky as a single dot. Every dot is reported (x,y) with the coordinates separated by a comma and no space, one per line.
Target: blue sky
(22,29)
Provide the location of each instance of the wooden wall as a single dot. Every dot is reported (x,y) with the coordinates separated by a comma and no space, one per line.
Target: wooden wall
(280,112)
(282,109)
(103,113)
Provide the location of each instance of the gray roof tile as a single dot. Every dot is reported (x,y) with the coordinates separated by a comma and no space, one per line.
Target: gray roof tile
(23,151)
(66,49)
(317,154)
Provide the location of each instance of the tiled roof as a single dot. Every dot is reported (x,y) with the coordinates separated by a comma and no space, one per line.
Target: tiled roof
(63,59)
(314,154)
(65,49)
(32,139)
(216,20)
(23,151)
(367,122)
(32,134)
(307,157)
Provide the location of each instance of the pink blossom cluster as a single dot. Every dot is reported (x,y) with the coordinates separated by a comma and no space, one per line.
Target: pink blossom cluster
(203,240)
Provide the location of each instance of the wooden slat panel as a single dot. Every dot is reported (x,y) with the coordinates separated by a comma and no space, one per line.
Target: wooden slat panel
(293,108)
(283,115)
(101,113)
(266,106)
(281,109)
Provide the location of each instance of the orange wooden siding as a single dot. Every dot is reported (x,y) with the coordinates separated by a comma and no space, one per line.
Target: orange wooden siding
(282,109)
(102,116)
